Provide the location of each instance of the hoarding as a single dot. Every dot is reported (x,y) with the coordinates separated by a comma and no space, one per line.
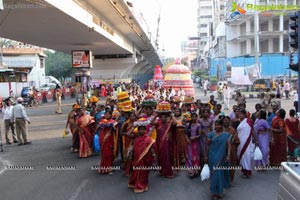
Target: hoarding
(81,59)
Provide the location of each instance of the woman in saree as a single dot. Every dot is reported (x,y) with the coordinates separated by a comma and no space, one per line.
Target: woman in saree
(127,142)
(235,142)
(193,133)
(103,91)
(180,135)
(165,144)
(244,150)
(206,128)
(263,137)
(108,143)
(293,134)
(278,148)
(142,159)
(86,129)
(217,155)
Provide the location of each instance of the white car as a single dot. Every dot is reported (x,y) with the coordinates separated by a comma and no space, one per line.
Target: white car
(47,87)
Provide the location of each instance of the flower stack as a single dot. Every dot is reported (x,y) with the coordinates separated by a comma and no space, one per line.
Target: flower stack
(149,100)
(123,100)
(163,107)
(188,100)
(158,73)
(177,76)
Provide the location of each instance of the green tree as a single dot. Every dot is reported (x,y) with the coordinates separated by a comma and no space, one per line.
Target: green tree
(58,64)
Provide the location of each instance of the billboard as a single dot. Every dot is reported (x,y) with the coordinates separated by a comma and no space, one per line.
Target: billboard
(81,59)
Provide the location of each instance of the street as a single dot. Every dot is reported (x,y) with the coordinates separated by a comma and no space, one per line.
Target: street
(47,169)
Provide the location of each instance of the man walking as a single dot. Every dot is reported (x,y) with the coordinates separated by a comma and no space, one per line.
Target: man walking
(287,90)
(205,86)
(20,117)
(8,124)
(226,96)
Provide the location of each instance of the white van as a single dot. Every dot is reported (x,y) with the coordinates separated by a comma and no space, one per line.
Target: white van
(52,79)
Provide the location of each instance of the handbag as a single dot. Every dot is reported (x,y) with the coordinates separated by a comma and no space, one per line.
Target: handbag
(96,143)
(205,173)
(257,154)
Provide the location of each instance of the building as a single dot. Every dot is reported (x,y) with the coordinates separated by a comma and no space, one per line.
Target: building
(23,65)
(256,35)
(205,19)
(189,50)
(211,34)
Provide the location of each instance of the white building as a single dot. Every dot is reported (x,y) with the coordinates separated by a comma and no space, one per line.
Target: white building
(28,68)
(210,16)
(257,34)
(205,19)
(254,31)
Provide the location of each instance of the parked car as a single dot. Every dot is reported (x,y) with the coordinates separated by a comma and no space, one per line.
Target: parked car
(47,87)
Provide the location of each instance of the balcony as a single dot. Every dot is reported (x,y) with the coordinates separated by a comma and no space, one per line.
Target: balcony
(233,38)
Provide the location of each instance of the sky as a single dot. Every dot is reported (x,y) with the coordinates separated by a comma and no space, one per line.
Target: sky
(178,22)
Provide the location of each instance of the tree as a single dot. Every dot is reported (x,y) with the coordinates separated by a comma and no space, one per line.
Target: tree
(58,64)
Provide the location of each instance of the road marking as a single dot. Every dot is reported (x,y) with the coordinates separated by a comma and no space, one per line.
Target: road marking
(79,189)
(4,163)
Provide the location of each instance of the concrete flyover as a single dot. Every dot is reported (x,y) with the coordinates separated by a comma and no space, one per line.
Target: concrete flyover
(108,28)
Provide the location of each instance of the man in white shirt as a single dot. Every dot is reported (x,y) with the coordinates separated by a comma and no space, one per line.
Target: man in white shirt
(7,112)
(205,84)
(20,117)
(287,90)
(226,96)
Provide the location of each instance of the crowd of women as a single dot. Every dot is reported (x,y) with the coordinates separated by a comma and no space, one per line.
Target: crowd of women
(184,136)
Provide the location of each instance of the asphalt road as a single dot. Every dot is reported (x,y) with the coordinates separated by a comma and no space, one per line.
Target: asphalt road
(47,169)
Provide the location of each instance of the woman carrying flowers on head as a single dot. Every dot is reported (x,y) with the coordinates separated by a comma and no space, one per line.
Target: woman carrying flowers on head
(143,157)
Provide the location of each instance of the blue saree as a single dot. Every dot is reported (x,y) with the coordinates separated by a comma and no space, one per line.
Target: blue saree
(220,176)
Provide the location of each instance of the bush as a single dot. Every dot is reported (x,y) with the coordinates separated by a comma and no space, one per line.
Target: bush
(213,80)
(202,74)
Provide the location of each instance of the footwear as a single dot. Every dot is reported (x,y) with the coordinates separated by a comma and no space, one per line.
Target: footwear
(8,142)
(29,142)
(20,144)
(15,141)
(76,150)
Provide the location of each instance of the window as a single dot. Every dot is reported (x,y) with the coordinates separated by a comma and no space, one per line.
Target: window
(42,62)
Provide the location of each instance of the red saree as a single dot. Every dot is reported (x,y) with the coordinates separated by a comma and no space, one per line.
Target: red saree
(87,127)
(127,141)
(108,145)
(165,149)
(142,158)
(181,141)
(293,135)
(278,152)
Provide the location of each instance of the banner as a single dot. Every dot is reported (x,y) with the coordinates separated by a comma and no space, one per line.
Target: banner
(82,59)
(239,76)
